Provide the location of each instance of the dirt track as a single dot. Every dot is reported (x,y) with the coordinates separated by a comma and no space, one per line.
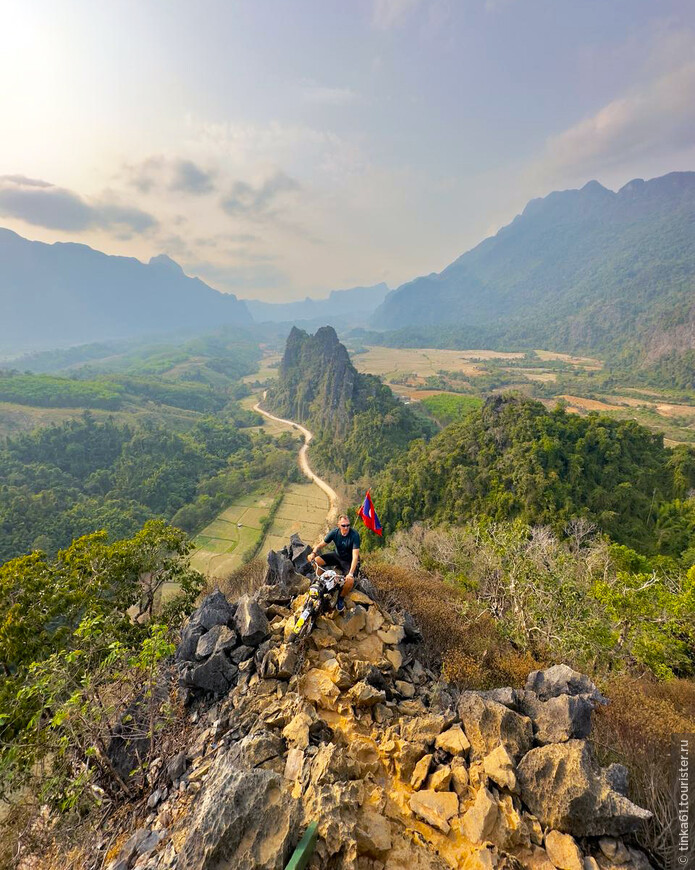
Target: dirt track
(304,462)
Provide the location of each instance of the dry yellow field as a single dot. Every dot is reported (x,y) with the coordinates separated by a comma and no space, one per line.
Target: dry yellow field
(577,402)
(389,362)
(303,510)
(584,361)
(221,546)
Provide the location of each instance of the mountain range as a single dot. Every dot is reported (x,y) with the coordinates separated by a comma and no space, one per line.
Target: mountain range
(65,293)
(69,294)
(585,269)
(357,304)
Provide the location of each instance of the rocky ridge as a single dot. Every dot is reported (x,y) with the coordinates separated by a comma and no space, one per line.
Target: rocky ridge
(354,732)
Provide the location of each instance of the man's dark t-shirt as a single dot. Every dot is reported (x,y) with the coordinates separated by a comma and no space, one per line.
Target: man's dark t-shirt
(344,544)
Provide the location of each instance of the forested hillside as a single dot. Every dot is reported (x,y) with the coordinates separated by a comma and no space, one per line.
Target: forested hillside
(514,459)
(358,423)
(62,482)
(580,270)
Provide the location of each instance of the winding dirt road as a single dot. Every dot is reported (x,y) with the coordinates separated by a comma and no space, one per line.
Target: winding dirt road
(304,462)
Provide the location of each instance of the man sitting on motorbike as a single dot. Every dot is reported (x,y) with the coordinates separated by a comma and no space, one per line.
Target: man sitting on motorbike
(346,556)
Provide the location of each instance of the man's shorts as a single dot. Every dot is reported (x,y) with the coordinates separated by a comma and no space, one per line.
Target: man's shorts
(332,560)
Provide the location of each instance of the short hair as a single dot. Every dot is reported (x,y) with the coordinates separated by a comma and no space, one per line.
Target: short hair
(343,517)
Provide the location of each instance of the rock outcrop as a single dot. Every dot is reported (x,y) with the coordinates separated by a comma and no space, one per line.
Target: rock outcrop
(351,731)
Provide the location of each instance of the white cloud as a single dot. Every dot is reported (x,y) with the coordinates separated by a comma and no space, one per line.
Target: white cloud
(657,119)
(392,13)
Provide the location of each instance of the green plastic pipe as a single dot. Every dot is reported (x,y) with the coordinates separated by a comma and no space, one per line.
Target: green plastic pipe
(305,849)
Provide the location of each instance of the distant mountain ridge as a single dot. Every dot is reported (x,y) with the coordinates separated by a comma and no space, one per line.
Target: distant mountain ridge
(66,293)
(355,304)
(585,269)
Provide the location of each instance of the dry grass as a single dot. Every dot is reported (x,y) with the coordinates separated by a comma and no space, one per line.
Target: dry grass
(243,581)
(471,651)
(635,729)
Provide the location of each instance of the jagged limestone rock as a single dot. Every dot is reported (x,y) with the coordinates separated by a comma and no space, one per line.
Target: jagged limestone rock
(208,642)
(373,834)
(392,635)
(534,858)
(563,851)
(558,719)
(425,729)
(562,680)
(245,819)
(479,820)
(407,756)
(363,695)
(296,732)
(318,687)
(581,800)
(453,741)
(459,777)
(437,808)
(439,780)
(499,766)
(215,675)
(251,622)
(615,850)
(488,724)
(421,771)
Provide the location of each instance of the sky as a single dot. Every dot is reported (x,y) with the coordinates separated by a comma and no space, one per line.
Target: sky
(284,148)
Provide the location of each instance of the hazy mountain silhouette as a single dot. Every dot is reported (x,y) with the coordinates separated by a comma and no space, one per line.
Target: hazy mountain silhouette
(355,305)
(584,269)
(62,294)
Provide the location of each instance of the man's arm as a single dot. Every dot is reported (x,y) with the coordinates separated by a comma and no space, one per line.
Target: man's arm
(316,549)
(355,560)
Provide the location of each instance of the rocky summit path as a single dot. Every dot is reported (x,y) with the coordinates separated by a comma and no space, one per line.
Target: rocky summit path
(304,461)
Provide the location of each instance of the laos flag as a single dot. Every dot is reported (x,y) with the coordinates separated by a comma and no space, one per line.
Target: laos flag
(368,515)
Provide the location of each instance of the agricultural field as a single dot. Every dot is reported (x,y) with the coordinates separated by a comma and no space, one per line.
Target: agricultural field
(390,363)
(303,509)
(418,374)
(222,545)
(675,421)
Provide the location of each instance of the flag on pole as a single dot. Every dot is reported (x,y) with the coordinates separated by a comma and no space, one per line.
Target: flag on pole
(368,515)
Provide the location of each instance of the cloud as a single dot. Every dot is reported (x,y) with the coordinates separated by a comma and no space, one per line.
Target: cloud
(43,204)
(258,202)
(23,180)
(158,173)
(392,13)
(655,120)
(189,178)
(327,96)
(146,175)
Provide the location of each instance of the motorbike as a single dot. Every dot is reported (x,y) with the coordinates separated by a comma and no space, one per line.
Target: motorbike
(322,598)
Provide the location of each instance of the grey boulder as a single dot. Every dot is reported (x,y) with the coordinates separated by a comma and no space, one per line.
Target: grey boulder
(562,680)
(220,637)
(251,622)
(214,675)
(488,724)
(566,789)
(245,820)
(557,719)
(214,610)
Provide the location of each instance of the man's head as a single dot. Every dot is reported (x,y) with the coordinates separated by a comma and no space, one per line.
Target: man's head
(343,524)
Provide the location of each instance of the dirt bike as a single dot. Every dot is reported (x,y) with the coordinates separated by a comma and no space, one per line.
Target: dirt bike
(322,598)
